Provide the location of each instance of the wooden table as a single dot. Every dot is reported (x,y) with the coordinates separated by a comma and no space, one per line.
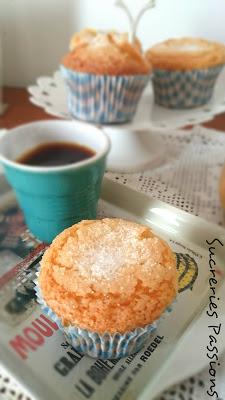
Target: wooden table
(21,111)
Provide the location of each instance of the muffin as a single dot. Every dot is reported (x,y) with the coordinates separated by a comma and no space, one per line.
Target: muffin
(105,76)
(185,71)
(107,283)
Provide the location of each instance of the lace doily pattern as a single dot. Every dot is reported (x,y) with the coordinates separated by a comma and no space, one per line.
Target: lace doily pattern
(189,176)
(9,389)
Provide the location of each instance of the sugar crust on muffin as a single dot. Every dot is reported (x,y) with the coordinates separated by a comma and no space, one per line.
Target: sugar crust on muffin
(106,53)
(108,275)
(186,54)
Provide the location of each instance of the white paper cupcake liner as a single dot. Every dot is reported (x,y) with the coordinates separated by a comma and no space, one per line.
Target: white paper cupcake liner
(103,99)
(103,346)
(185,89)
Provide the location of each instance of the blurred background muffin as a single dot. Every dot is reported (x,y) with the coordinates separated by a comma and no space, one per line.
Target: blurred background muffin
(105,75)
(185,71)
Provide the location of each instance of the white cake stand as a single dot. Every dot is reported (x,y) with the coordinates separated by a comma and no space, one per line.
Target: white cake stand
(133,150)
(135,146)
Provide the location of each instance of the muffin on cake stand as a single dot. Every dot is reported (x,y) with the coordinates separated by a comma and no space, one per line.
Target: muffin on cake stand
(105,74)
(136,144)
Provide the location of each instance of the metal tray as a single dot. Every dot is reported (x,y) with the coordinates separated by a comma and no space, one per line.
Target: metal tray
(47,372)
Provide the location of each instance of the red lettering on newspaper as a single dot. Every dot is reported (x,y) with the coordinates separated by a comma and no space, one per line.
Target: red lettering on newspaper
(33,336)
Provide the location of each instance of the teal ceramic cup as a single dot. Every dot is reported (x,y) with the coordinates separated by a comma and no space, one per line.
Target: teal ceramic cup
(54,198)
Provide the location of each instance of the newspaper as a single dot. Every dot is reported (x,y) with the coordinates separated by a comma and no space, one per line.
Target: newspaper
(36,352)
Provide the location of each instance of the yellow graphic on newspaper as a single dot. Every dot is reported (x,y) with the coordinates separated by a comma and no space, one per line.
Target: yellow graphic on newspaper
(187,269)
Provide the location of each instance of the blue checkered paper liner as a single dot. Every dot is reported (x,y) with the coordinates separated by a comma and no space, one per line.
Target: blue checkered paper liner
(103,99)
(184,89)
(103,346)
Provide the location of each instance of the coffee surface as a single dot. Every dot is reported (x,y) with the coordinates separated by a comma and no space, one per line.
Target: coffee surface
(55,154)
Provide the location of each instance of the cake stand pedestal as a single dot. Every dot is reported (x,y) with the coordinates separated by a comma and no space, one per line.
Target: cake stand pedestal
(133,150)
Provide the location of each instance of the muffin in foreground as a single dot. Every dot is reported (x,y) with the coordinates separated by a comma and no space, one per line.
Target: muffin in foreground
(185,71)
(107,283)
(105,75)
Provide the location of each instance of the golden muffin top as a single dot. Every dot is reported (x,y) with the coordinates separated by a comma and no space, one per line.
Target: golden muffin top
(106,53)
(108,275)
(186,54)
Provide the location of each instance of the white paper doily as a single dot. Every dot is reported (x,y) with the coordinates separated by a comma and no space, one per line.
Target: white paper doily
(50,94)
(188,178)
